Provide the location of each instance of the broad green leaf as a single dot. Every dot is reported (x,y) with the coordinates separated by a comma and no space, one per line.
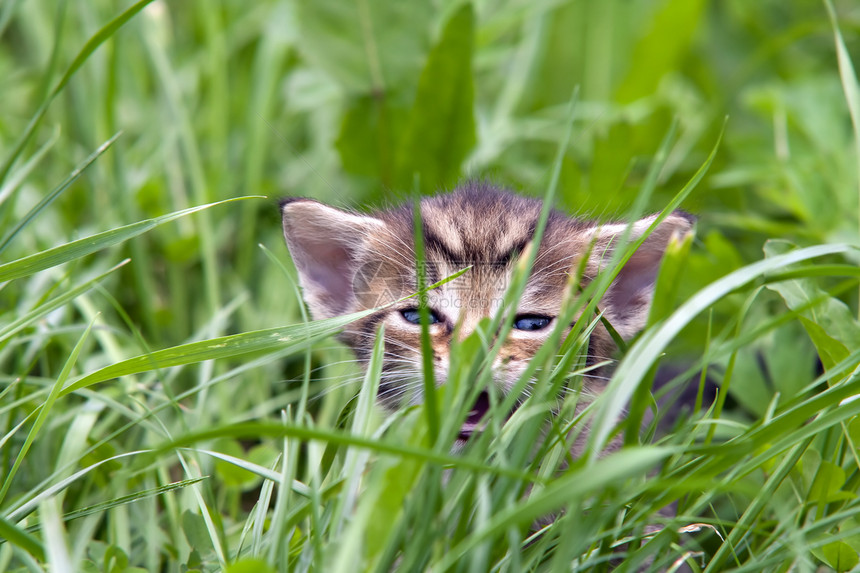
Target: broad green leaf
(791,359)
(830,324)
(829,478)
(370,136)
(368,46)
(196,532)
(830,350)
(661,48)
(441,128)
(237,472)
(82,247)
(231,474)
(837,555)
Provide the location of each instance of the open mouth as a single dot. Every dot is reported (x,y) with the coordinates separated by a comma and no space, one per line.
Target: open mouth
(473,421)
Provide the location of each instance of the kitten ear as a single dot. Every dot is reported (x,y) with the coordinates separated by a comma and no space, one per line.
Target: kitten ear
(326,245)
(628,300)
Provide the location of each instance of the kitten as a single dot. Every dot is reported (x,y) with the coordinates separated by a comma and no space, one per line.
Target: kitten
(349,262)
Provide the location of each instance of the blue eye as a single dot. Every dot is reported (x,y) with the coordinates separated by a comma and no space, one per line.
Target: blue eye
(412,315)
(531,322)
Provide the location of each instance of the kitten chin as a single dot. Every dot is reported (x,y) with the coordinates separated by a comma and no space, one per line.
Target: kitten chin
(349,262)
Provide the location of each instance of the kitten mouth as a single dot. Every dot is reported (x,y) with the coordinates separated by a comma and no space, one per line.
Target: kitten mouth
(473,421)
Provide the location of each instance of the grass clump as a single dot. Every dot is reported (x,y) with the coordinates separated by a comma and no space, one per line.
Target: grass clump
(166,404)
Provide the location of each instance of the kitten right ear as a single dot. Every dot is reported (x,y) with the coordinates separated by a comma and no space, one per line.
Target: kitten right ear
(326,245)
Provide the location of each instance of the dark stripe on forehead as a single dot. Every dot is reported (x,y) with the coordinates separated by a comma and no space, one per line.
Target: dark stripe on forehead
(512,253)
(433,242)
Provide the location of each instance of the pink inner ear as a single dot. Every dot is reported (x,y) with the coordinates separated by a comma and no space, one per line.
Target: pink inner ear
(328,269)
(635,280)
(628,300)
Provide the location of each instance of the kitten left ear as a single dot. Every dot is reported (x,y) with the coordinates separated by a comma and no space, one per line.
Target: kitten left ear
(628,300)
(327,246)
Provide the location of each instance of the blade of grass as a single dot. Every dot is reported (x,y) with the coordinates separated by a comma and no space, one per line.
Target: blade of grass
(561,492)
(258,429)
(45,410)
(431,407)
(92,44)
(306,379)
(56,546)
(502,322)
(742,528)
(257,469)
(11,533)
(851,89)
(12,185)
(124,500)
(58,255)
(270,339)
(36,313)
(642,354)
(52,196)
(637,363)
(355,462)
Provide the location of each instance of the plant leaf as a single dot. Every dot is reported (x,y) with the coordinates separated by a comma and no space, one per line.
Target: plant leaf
(366,45)
(441,125)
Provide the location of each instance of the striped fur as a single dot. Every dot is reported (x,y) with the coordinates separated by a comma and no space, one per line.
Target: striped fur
(349,262)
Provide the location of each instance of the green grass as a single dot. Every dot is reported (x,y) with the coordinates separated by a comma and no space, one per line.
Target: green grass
(166,406)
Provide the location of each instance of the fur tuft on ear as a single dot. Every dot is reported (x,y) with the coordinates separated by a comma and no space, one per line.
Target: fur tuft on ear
(628,300)
(327,245)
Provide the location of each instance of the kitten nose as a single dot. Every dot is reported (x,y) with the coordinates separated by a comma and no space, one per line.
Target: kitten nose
(467,325)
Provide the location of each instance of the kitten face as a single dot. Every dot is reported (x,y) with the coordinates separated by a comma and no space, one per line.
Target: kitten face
(348,262)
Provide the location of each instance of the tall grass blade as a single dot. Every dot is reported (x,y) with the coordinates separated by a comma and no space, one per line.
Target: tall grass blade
(45,411)
(12,534)
(297,337)
(50,197)
(92,44)
(851,88)
(82,247)
(7,331)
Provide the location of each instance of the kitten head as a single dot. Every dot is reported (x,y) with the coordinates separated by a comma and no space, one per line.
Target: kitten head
(349,262)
